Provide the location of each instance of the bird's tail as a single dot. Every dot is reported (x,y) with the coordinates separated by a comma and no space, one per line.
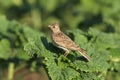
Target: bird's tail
(83,53)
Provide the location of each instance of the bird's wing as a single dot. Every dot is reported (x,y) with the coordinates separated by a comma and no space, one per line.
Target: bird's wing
(63,40)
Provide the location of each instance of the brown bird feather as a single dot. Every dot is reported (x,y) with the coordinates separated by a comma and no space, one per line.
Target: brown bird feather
(63,41)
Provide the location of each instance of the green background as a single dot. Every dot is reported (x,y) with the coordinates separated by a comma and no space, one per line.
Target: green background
(26,51)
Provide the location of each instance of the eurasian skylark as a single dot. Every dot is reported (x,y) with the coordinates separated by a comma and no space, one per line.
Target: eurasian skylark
(64,42)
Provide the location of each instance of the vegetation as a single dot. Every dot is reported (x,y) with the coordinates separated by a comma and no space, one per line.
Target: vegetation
(26,49)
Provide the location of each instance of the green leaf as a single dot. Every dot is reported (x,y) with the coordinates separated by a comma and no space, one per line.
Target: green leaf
(115,54)
(52,4)
(5,51)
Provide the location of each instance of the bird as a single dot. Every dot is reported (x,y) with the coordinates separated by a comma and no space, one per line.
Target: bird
(62,41)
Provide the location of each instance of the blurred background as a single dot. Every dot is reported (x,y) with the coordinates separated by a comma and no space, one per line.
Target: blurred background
(82,14)
(103,15)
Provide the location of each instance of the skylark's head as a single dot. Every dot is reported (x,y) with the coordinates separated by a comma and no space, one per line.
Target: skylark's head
(54,27)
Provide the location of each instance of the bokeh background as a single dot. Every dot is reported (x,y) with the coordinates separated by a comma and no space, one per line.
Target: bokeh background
(82,14)
(103,15)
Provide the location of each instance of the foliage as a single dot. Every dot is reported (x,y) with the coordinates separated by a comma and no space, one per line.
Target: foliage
(93,24)
(99,47)
(83,14)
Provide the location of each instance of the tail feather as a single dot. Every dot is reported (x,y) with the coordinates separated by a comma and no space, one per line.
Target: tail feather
(83,53)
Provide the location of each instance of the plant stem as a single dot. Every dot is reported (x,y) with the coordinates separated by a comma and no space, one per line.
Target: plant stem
(10,71)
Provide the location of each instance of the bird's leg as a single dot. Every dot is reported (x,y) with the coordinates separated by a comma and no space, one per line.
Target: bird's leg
(65,49)
(66,52)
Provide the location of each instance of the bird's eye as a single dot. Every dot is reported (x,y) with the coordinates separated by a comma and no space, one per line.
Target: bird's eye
(53,26)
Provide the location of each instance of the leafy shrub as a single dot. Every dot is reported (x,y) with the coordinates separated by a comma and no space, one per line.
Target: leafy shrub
(21,42)
(32,47)
(101,14)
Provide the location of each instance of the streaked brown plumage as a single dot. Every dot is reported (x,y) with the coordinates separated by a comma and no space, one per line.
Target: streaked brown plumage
(63,41)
